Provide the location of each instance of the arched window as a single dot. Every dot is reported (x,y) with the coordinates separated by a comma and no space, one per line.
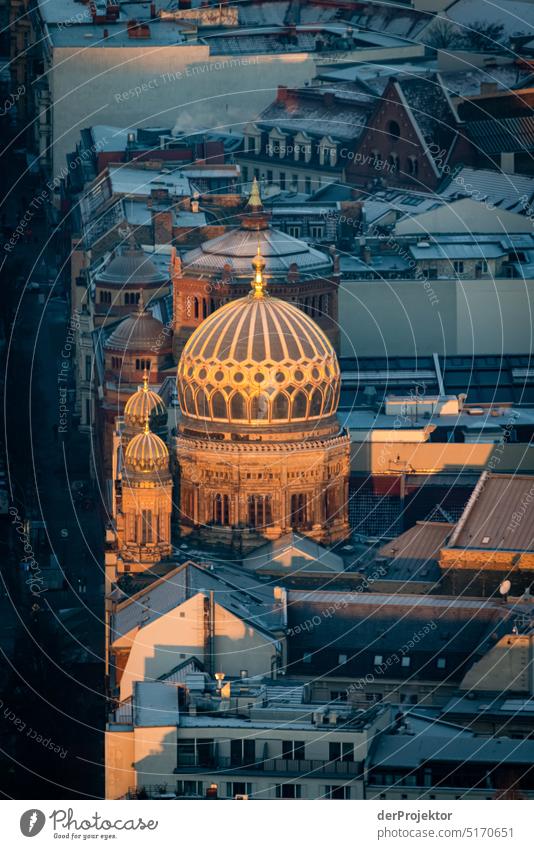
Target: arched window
(299,510)
(218,406)
(238,408)
(300,403)
(260,513)
(195,308)
(221,510)
(413,166)
(281,406)
(189,401)
(146,527)
(328,400)
(204,308)
(393,161)
(316,403)
(202,404)
(259,407)
(394,130)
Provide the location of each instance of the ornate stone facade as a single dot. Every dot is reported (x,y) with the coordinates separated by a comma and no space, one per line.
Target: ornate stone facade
(260,450)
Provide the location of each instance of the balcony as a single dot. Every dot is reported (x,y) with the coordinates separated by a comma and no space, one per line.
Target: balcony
(275,767)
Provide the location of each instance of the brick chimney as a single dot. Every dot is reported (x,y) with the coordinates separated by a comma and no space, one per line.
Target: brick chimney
(162,224)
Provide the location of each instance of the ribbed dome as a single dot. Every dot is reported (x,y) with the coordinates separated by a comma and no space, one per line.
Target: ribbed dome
(132,268)
(145,404)
(138,332)
(258,359)
(146,452)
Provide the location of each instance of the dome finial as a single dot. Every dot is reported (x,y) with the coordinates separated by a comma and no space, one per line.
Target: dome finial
(147,423)
(258,283)
(141,302)
(145,380)
(254,201)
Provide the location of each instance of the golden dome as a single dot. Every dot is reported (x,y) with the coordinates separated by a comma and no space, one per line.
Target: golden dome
(143,404)
(146,452)
(258,360)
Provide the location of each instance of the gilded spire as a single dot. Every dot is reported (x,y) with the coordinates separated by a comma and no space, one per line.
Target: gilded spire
(147,423)
(258,283)
(145,380)
(254,201)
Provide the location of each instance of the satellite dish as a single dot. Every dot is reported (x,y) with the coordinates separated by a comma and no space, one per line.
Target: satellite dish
(505,587)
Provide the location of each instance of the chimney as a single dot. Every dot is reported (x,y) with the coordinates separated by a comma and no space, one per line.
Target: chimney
(488,88)
(162,222)
(282,95)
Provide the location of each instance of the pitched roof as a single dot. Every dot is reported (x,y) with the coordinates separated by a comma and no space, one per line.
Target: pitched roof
(414,554)
(501,135)
(463,216)
(292,554)
(499,515)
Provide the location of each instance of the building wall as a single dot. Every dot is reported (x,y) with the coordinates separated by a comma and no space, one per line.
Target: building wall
(158,647)
(197,91)
(433,457)
(119,747)
(417,318)
(507,666)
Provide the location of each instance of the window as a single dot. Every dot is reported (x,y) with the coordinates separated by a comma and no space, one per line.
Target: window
(189,788)
(394,129)
(237,407)
(105,297)
(250,144)
(269,177)
(238,788)
(257,173)
(293,750)
(405,662)
(341,752)
(441,663)
(342,658)
(317,231)
(282,179)
(378,660)
(88,369)
(413,166)
(458,266)
(288,791)
(295,182)
(218,406)
(293,230)
(308,185)
(221,510)
(195,752)
(338,696)
(141,365)
(244,174)
(242,752)
(146,526)
(337,791)
(299,510)
(259,511)
(393,160)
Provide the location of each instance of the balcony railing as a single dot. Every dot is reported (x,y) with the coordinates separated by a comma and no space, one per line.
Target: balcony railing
(275,766)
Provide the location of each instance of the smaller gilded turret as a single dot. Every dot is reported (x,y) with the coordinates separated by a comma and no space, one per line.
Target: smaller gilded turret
(258,283)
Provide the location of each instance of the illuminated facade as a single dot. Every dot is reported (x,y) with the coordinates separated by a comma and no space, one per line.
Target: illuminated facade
(144,502)
(260,450)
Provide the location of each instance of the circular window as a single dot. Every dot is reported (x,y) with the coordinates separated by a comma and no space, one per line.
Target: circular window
(279,377)
(258,377)
(190,371)
(316,373)
(219,375)
(238,377)
(299,375)
(202,374)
